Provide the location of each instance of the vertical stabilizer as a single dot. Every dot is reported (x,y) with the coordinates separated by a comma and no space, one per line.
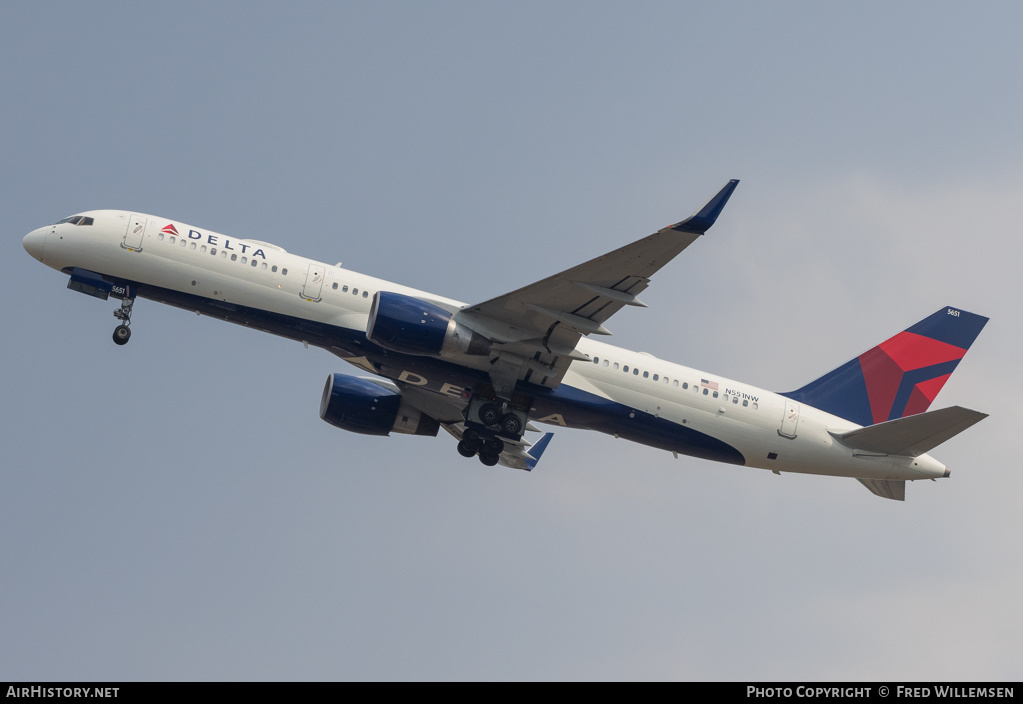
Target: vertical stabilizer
(899,377)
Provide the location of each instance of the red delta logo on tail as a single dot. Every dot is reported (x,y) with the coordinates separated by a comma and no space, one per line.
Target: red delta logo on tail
(169,229)
(885,367)
(899,377)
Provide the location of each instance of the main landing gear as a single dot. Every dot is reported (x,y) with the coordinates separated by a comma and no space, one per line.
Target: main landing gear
(122,333)
(487,421)
(482,442)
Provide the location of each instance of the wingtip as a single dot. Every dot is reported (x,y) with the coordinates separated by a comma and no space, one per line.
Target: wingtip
(708,215)
(536,451)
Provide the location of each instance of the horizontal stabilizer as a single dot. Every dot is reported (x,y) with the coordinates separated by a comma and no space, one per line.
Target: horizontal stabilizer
(886,488)
(912,435)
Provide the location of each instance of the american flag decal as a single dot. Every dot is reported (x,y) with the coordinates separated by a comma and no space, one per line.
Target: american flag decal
(712,385)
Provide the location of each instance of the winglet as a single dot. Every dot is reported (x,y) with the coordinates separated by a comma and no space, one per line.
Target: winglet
(702,221)
(536,450)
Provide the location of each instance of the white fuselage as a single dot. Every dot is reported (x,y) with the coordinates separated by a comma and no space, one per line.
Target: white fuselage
(769,430)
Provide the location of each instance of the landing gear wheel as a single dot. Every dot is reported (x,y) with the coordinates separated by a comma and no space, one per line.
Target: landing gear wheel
(489,459)
(493,446)
(466,450)
(511,424)
(490,413)
(121,334)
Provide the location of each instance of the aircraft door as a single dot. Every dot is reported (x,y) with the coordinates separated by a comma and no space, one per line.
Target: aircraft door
(313,283)
(133,234)
(789,420)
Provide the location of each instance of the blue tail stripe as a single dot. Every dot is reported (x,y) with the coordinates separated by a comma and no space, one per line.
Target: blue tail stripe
(911,378)
(841,392)
(953,326)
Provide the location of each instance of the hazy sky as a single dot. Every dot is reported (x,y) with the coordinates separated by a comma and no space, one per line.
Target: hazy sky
(175,509)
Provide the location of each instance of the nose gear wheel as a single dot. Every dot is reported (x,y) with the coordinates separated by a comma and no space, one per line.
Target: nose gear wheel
(122,333)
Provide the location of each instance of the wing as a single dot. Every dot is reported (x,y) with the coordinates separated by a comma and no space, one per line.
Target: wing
(535,329)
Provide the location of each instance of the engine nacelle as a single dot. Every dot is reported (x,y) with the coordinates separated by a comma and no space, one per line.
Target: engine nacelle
(362,406)
(414,326)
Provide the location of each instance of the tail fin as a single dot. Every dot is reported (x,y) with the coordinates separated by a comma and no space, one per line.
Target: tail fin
(901,376)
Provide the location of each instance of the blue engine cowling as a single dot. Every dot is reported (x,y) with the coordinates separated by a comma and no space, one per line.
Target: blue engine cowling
(413,326)
(362,406)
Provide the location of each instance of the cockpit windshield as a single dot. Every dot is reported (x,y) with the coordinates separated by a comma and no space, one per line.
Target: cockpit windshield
(76,220)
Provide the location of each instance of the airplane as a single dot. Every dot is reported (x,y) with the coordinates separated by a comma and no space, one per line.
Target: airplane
(486,372)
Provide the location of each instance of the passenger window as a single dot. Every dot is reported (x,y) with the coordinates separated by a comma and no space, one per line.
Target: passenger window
(715,394)
(657,378)
(203,249)
(223,254)
(755,406)
(675,383)
(646,375)
(274,268)
(334,286)
(213,251)
(605,362)
(635,371)
(160,237)
(355,292)
(263,266)
(745,402)
(254,262)
(685,384)
(596,360)
(735,399)
(616,366)
(244,260)
(365,294)
(184,242)
(192,246)
(284,272)
(234,257)
(172,240)
(626,369)
(706,391)
(344,289)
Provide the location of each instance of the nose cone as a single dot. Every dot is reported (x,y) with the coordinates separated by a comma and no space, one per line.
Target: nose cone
(34,242)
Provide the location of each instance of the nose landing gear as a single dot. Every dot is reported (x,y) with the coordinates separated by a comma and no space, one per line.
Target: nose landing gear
(122,333)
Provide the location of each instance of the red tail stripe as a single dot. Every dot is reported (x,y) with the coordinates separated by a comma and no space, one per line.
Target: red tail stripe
(882,377)
(911,351)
